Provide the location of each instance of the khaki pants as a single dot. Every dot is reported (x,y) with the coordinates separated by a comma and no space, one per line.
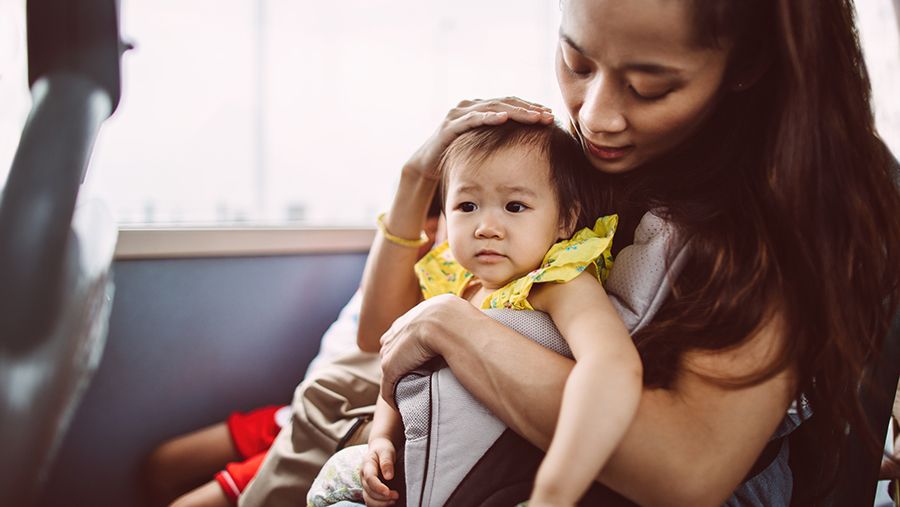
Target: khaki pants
(331,409)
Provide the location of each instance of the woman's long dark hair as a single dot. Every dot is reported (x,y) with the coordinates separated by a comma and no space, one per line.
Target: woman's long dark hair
(788,200)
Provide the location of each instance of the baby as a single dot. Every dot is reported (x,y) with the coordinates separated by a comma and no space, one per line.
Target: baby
(510,203)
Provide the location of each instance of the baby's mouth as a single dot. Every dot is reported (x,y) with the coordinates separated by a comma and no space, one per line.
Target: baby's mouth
(489,255)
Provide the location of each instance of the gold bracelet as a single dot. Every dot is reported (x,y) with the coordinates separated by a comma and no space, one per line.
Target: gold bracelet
(397,240)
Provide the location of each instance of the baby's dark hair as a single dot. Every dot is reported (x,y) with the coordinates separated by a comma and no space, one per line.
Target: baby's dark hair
(436,207)
(561,150)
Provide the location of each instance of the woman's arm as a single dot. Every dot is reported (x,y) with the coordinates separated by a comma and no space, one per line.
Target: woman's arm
(691,445)
(389,285)
(601,394)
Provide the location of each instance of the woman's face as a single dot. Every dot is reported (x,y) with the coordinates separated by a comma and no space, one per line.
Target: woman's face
(634,81)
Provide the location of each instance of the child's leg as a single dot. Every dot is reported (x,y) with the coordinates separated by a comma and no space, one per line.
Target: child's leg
(226,487)
(208,495)
(188,461)
(327,408)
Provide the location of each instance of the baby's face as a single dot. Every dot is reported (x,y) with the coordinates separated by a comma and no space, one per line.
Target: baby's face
(502,215)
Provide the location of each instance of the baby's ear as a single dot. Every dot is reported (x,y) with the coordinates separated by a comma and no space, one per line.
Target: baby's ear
(567,225)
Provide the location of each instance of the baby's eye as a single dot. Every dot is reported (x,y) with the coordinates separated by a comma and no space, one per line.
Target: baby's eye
(515,207)
(467,207)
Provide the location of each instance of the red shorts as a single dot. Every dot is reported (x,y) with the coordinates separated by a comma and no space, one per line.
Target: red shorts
(252,433)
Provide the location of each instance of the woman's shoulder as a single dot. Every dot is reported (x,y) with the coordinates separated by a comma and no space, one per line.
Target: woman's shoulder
(655,227)
(641,278)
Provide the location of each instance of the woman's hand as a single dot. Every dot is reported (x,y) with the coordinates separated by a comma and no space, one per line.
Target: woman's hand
(378,464)
(389,284)
(409,343)
(468,115)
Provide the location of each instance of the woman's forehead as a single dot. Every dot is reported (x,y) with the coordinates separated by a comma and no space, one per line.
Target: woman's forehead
(644,32)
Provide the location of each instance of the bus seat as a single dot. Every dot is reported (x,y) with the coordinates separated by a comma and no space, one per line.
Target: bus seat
(43,383)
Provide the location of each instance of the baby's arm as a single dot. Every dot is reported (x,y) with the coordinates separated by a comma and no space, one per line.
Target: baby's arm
(601,394)
(386,433)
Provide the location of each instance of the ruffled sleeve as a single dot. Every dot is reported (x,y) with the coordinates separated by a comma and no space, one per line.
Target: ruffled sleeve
(564,261)
(439,273)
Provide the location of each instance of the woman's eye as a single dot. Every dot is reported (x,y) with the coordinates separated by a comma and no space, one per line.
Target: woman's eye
(575,70)
(648,96)
(515,207)
(572,66)
(467,207)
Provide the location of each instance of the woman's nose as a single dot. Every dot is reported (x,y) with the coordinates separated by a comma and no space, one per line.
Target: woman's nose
(602,109)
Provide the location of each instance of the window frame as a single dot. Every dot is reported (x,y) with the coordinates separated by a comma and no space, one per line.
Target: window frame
(135,243)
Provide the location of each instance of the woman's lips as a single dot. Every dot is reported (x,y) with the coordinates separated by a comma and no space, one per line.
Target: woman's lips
(609,152)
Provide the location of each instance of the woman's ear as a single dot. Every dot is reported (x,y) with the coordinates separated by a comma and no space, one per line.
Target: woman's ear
(749,74)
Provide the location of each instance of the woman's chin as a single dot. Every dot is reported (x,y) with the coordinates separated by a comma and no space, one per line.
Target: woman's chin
(618,166)
(613,162)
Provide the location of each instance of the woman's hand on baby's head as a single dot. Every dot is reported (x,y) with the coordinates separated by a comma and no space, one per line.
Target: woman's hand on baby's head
(378,464)
(470,114)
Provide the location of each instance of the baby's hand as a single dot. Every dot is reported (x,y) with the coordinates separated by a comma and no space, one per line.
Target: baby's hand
(379,462)
(550,496)
(538,502)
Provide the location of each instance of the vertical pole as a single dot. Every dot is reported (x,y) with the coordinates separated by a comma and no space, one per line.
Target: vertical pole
(260,169)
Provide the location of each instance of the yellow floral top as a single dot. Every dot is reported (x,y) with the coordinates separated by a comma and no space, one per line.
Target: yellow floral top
(439,273)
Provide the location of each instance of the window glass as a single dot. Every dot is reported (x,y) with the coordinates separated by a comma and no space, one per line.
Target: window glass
(301,112)
(878,22)
(15,101)
(296,111)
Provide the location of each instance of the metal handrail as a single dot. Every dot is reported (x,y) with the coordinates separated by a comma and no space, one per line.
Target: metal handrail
(53,311)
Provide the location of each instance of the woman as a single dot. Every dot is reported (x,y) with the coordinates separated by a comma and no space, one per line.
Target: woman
(747,126)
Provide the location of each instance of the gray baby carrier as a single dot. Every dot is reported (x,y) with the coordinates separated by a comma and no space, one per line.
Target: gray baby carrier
(457,452)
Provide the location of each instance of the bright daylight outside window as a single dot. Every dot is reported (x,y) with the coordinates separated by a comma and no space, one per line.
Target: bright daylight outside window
(287,111)
(301,112)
